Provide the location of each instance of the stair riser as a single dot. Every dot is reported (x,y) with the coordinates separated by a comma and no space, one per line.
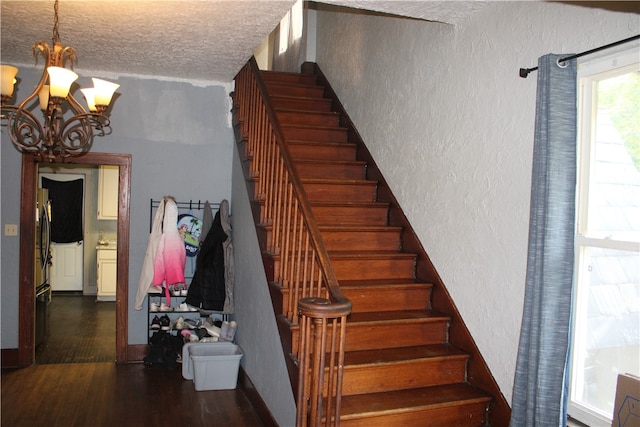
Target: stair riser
(361,240)
(376,299)
(347,240)
(312,134)
(330,170)
(294,90)
(332,152)
(363,269)
(350,215)
(340,192)
(308,119)
(391,335)
(367,269)
(293,78)
(467,415)
(400,376)
(379,336)
(302,104)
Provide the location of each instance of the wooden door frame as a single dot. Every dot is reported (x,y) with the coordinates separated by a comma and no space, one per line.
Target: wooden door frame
(26,313)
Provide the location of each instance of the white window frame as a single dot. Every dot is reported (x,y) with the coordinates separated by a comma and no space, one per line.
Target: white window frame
(590,71)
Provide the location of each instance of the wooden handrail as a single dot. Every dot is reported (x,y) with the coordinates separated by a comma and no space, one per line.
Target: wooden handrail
(302,265)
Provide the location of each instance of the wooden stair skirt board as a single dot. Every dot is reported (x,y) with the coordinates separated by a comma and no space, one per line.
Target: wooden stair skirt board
(407,363)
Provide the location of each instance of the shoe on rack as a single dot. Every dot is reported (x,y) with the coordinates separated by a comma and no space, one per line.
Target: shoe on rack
(182,307)
(155,290)
(155,323)
(213,331)
(165,323)
(183,291)
(179,325)
(176,291)
(165,307)
(192,323)
(153,307)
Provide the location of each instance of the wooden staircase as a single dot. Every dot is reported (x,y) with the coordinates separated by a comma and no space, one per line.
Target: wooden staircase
(401,367)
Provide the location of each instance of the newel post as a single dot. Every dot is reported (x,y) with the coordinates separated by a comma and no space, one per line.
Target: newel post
(321,361)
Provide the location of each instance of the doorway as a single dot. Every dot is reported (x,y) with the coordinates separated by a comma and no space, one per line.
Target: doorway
(26,338)
(79,234)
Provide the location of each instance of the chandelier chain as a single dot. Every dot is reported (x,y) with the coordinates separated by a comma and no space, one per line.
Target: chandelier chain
(56,35)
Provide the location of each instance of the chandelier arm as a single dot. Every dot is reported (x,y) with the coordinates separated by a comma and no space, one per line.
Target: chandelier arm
(25,131)
(76,134)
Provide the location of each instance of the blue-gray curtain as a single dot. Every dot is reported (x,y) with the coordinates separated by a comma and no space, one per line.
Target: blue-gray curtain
(539,392)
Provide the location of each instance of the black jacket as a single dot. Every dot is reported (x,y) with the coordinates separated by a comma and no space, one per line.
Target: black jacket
(207,288)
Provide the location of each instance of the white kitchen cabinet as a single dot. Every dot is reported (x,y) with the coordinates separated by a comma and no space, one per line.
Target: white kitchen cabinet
(108,192)
(107,274)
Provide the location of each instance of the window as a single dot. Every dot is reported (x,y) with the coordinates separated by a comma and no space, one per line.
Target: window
(606,331)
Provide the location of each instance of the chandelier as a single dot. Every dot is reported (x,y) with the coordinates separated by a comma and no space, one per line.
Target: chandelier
(55,137)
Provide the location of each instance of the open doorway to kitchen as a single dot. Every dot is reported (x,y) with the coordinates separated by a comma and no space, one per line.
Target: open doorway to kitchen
(30,166)
(81,269)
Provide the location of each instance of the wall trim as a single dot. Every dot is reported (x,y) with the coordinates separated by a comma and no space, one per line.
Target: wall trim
(255,399)
(9,358)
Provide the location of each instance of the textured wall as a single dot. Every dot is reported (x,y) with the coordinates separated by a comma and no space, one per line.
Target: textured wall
(450,123)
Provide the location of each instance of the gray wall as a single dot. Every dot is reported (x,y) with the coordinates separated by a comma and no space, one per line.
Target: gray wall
(450,124)
(180,139)
(257,333)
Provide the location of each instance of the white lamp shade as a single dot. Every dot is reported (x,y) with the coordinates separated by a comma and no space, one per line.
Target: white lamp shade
(103,91)
(60,80)
(43,95)
(89,95)
(7,79)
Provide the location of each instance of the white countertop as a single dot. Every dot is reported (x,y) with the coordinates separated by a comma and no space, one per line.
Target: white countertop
(107,246)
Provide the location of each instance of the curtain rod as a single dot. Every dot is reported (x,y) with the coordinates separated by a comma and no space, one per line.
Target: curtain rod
(524,72)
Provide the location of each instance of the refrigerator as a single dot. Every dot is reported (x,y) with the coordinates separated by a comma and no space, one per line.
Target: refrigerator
(43,262)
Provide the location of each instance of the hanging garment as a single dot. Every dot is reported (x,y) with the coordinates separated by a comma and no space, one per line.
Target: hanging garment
(66,207)
(207,220)
(211,288)
(146,275)
(168,266)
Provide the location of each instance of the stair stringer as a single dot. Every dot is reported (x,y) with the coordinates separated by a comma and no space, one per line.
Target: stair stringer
(478,372)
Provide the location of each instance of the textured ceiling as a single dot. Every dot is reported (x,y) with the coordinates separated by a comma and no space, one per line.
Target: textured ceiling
(193,40)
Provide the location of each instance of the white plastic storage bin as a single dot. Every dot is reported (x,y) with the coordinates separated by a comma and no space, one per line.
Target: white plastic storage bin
(211,366)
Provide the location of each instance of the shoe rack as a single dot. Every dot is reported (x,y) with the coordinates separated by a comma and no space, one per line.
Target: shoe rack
(161,317)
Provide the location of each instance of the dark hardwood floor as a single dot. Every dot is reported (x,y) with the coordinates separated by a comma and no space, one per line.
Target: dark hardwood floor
(80,330)
(106,394)
(76,383)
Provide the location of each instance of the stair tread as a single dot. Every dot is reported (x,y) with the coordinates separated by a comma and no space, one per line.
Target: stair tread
(410,400)
(329,143)
(370,254)
(347,228)
(308,98)
(281,83)
(383,356)
(306,112)
(357,284)
(333,162)
(312,127)
(349,204)
(398,316)
(338,181)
